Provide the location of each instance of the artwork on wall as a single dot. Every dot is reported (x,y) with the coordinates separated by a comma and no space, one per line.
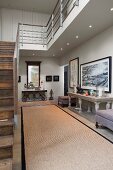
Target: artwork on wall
(73,72)
(48,78)
(96,74)
(55,78)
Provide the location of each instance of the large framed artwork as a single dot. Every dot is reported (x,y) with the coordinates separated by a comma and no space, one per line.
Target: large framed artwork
(96,74)
(73,72)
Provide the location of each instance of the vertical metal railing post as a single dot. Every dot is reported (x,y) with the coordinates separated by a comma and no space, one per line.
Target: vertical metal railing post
(33,34)
(76,3)
(61,15)
(52,26)
(18,41)
(43,36)
(22,34)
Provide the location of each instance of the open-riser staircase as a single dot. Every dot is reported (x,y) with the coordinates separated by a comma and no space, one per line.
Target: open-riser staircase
(6,104)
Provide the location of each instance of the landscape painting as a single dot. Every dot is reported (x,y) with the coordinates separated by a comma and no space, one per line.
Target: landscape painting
(96,74)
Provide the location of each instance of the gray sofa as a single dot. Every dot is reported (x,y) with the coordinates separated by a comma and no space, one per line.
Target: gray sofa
(105,118)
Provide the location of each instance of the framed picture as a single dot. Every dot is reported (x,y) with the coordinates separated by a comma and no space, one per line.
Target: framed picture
(56,78)
(48,78)
(96,74)
(73,72)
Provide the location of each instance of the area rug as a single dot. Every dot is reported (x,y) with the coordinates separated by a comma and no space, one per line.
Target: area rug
(89,120)
(54,140)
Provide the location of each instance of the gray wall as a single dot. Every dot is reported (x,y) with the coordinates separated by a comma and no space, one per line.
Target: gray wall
(11,18)
(49,66)
(98,47)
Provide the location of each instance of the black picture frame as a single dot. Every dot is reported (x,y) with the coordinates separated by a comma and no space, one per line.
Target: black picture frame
(49,78)
(55,78)
(96,74)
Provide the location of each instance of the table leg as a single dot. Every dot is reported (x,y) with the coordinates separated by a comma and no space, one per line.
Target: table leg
(69,101)
(108,105)
(112,105)
(97,106)
(80,104)
(89,109)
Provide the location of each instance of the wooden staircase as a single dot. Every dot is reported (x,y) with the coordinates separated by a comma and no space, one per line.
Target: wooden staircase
(6,104)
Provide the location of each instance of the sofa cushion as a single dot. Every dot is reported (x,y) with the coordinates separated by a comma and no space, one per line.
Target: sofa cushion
(108,114)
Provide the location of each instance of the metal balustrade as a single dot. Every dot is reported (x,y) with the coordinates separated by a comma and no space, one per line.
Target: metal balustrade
(42,35)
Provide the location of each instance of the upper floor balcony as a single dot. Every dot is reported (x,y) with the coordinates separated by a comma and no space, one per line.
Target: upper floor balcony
(37,37)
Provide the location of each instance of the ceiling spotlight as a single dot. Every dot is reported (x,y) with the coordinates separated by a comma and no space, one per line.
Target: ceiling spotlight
(76,36)
(61,49)
(67,43)
(111,9)
(90,26)
(53,55)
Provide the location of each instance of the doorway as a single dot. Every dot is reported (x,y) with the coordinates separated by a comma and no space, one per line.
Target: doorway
(65,80)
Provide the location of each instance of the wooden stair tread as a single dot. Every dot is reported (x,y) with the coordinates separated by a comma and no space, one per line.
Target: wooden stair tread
(6,88)
(6,122)
(6,60)
(7,108)
(6,164)
(6,55)
(8,51)
(7,42)
(6,141)
(3,80)
(6,97)
(6,68)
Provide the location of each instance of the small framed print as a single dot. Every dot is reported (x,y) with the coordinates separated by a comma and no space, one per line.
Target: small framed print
(48,78)
(56,78)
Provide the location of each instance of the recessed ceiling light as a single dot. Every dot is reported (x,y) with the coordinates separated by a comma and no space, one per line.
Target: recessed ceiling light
(111,9)
(61,49)
(67,43)
(33,54)
(90,26)
(53,55)
(76,36)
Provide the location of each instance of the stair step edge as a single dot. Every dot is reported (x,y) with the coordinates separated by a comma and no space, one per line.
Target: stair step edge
(6,164)
(9,108)
(6,97)
(6,122)
(6,141)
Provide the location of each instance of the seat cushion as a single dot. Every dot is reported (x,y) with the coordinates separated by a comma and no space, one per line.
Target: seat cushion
(63,98)
(108,114)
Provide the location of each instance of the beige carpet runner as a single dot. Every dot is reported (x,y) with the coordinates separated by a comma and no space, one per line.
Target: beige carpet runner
(56,141)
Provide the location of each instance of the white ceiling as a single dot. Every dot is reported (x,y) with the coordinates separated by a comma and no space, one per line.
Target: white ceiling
(97,13)
(42,6)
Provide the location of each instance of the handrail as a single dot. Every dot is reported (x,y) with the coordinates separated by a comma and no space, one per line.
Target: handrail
(15,73)
(17,43)
(46,33)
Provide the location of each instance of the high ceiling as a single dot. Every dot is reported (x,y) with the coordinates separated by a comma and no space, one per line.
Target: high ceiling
(97,13)
(42,6)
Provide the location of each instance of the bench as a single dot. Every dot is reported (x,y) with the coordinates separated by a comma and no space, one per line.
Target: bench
(64,101)
(105,118)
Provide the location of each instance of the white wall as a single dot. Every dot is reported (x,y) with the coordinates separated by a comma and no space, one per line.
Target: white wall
(49,66)
(98,47)
(11,18)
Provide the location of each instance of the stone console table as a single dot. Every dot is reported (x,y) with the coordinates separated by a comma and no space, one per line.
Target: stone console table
(93,99)
(31,95)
